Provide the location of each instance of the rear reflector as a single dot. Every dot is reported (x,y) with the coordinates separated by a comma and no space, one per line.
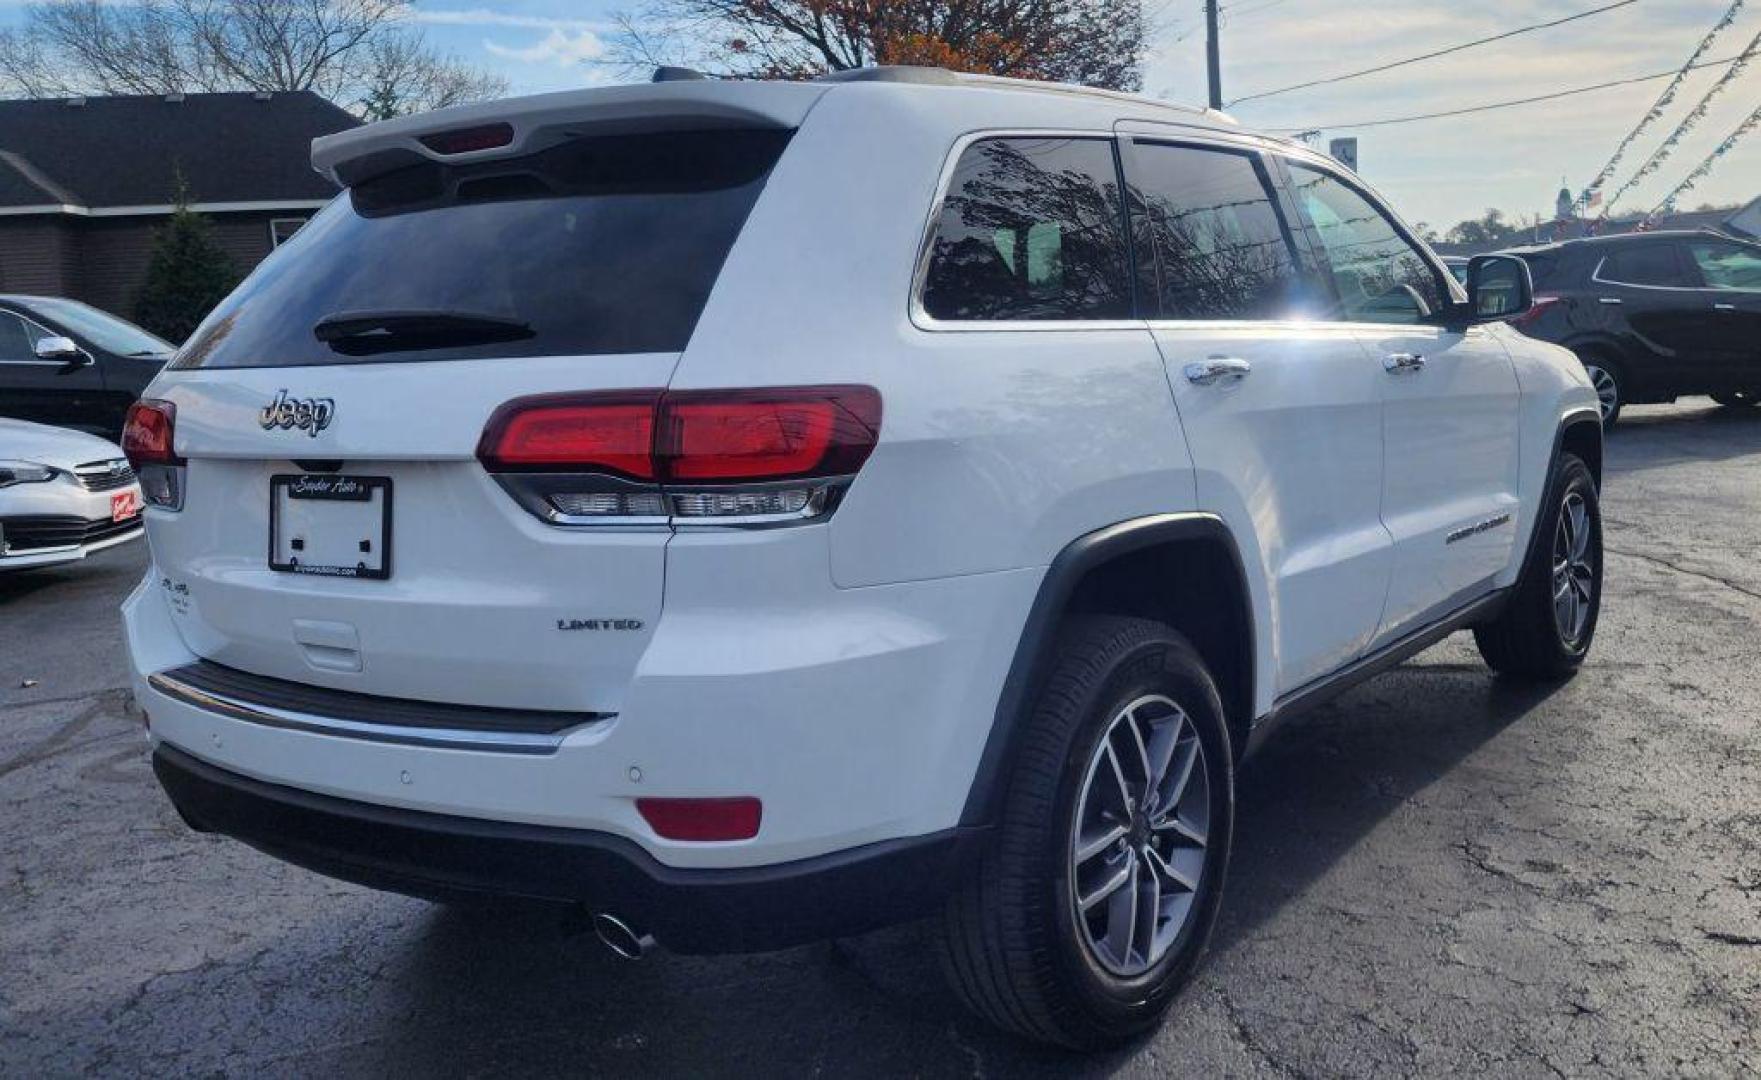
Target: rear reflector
(465,140)
(702,819)
(147,433)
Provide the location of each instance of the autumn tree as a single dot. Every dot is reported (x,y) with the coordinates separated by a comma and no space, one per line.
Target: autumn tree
(1094,42)
(365,55)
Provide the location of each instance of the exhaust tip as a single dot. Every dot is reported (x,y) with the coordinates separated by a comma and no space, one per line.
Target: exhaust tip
(620,937)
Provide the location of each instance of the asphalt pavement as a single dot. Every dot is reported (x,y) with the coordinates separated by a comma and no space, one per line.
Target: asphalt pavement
(1439,874)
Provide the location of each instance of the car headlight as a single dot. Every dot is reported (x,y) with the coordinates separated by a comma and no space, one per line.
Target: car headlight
(24,472)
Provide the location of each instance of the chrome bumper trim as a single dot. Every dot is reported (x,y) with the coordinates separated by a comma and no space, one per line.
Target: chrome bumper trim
(503,742)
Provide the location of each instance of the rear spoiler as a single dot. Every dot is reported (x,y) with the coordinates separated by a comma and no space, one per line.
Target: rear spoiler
(517,126)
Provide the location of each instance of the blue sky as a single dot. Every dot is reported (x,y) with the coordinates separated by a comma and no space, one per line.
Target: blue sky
(1437,171)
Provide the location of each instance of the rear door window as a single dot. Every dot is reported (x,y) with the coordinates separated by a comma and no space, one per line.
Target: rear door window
(1378,274)
(1724,265)
(1656,265)
(1031,229)
(1210,242)
(599,245)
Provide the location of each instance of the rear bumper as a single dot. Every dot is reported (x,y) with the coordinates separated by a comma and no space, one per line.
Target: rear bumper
(437,856)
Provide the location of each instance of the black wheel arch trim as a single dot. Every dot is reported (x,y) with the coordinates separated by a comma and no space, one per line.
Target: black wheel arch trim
(1034,649)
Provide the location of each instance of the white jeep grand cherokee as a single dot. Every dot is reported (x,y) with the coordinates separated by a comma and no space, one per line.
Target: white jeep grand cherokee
(757,512)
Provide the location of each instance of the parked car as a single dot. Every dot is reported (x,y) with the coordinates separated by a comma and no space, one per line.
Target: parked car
(829,513)
(69,364)
(63,495)
(1653,316)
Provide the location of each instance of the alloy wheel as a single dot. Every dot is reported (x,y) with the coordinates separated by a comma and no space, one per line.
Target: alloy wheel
(1137,854)
(1574,578)
(1607,390)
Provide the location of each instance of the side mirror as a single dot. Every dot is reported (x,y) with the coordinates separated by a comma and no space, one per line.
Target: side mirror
(56,347)
(1499,287)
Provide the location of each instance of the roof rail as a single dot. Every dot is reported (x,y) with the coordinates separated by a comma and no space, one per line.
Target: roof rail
(893,73)
(665,73)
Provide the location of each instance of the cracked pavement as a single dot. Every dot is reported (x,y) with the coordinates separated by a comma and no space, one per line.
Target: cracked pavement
(1440,873)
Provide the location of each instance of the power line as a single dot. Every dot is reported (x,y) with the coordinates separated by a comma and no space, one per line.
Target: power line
(1509,104)
(1433,55)
(1583,200)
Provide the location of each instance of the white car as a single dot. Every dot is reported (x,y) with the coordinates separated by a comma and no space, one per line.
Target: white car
(756,512)
(63,495)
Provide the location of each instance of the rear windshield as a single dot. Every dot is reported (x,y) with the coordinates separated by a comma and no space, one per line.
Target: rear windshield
(596,246)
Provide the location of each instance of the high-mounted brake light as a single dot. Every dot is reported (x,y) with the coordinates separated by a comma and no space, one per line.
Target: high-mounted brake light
(702,819)
(147,436)
(715,456)
(466,140)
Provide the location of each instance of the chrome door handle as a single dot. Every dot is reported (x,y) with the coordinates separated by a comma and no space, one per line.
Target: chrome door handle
(1608,300)
(1724,307)
(1402,361)
(1205,372)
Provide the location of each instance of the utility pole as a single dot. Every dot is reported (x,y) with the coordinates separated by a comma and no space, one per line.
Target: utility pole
(1213,62)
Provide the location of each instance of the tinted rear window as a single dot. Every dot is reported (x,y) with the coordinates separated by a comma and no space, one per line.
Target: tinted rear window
(601,245)
(1210,244)
(1032,229)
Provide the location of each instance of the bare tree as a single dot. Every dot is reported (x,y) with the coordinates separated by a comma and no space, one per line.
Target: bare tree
(1096,42)
(362,54)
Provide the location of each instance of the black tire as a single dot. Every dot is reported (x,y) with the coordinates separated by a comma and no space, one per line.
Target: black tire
(1013,948)
(1597,366)
(1529,639)
(1738,399)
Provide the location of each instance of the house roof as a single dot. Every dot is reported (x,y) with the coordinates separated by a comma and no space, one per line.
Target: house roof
(99,155)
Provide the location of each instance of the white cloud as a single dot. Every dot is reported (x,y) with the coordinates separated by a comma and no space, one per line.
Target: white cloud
(486,17)
(558,47)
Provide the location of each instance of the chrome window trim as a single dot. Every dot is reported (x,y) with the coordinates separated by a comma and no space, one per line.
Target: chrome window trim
(403,735)
(1596,276)
(920,317)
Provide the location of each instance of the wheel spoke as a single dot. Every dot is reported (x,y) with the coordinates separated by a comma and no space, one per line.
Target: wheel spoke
(1122,916)
(1119,779)
(1580,530)
(1089,846)
(1166,869)
(1185,830)
(1180,775)
(1150,911)
(1108,887)
(1143,753)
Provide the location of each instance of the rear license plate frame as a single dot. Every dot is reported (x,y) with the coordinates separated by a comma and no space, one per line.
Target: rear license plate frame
(335,487)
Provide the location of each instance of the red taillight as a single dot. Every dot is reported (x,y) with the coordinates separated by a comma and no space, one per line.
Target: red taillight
(465,140)
(147,433)
(702,819)
(695,436)
(1541,303)
(590,433)
(720,436)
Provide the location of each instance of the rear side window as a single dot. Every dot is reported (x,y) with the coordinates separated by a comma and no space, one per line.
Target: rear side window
(1031,229)
(1210,243)
(1379,275)
(1724,265)
(1648,264)
(599,245)
(1541,268)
